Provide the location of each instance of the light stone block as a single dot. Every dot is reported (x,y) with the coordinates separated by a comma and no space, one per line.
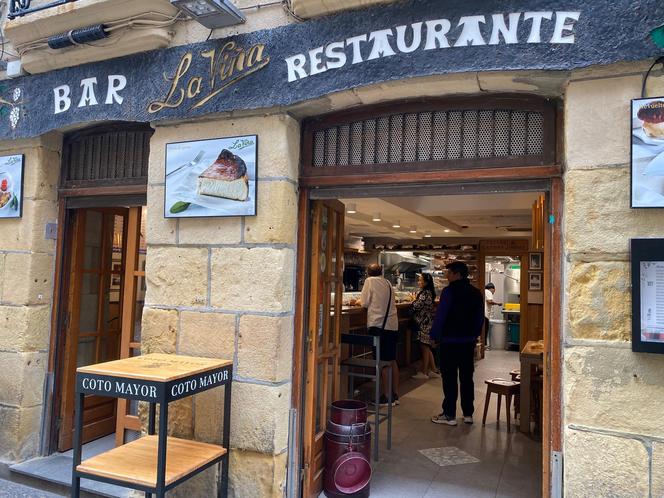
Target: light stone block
(42,170)
(254,475)
(181,418)
(19,433)
(597,217)
(277,215)
(34,279)
(27,233)
(203,485)
(657,468)
(599,301)
(209,416)
(265,348)
(278,142)
(177,276)
(548,83)
(603,465)
(610,70)
(9,433)
(158,330)
(259,417)
(22,378)
(198,231)
(24,328)
(159,230)
(252,279)
(596,113)
(614,389)
(210,335)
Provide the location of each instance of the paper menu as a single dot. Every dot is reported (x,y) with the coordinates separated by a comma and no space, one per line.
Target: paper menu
(652,301)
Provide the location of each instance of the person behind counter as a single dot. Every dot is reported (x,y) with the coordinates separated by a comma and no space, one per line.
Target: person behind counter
(422,309)
(489,303)
(457,325)
(378,298)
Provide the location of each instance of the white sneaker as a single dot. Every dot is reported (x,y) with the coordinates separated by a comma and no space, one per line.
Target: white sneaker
(434,375)
(468,420)
(443,419)
(421,376)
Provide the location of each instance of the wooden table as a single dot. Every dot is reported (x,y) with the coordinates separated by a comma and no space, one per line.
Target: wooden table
(531,356)
(153,464)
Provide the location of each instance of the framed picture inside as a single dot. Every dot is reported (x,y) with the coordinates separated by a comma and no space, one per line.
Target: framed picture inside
(535,280)
(11,186)
(647,146)
(214,177)
(647,264)
(535,261)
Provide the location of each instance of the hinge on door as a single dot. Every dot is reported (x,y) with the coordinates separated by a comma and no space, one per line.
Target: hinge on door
(303,471)
(58,423)
(66,320)
(556,474)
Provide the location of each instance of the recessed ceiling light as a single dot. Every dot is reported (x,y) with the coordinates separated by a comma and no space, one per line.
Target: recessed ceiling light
(447,230)
(351,209)
(396,224)
(413,229)
(427,235)
(376,217)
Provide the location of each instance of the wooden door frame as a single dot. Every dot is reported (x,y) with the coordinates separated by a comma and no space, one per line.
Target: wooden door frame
(552,430)
(55,369)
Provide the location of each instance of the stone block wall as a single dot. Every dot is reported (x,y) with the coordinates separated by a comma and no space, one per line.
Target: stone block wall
(613,398)
(27,263)
(224,287)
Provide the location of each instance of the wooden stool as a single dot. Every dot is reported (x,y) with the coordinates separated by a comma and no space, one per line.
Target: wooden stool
(516,377)
(501,387)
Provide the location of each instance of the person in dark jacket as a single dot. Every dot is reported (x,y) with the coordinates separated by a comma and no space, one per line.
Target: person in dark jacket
(456,326)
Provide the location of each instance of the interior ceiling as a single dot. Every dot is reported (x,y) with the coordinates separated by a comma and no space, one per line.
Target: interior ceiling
(486,215)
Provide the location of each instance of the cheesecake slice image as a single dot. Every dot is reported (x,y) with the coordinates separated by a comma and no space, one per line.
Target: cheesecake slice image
(225,178)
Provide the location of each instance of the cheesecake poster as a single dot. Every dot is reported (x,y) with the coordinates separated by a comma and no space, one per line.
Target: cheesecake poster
(648,153)
(215,177)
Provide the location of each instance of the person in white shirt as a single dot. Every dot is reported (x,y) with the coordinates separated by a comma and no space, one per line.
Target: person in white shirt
(378,298)
(489,303)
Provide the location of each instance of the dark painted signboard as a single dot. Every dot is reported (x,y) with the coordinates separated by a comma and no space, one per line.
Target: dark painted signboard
(298,62)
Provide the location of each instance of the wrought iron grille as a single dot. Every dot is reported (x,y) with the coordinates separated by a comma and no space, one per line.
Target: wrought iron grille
(19,8)
(107,156)
(430,136)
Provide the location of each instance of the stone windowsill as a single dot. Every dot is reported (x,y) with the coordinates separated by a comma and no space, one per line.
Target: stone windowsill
(63,18)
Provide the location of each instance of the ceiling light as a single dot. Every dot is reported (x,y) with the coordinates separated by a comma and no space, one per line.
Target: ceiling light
(397,224)
(352,209)
(376,217)
(413,229)
(447,230)
(427,235)
(211,13)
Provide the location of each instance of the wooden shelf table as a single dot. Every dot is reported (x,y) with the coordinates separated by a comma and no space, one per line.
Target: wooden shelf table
(154,463)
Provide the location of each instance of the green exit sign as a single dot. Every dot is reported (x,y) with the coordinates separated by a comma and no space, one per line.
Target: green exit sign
(515,267)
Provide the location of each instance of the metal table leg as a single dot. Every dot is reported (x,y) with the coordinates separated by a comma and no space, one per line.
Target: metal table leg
(161,454)
(222,487)
(78,429)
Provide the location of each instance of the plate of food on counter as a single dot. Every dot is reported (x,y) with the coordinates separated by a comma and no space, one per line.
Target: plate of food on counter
(215,177)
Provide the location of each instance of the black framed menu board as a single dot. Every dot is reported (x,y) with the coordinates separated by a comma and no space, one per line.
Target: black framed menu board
(647,261)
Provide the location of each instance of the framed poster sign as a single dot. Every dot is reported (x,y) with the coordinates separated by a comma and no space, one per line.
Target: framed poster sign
(535,280)
(214,177)
(647,260)
(647,153)
(535,261)
(11,186)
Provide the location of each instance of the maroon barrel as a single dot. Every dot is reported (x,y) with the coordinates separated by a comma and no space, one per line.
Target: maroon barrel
(348,411)
(347,470)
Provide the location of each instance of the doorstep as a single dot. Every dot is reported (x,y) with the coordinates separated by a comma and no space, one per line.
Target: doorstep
(10,489)
(56,468)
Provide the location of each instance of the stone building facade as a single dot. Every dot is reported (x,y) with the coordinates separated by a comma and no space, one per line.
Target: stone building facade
(205,297)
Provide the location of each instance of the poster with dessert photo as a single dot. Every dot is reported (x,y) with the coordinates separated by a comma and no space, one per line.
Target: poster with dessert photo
(11,186)
(214,177)
(648,153)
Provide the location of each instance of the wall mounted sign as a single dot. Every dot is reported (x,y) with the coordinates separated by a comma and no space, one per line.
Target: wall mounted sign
(215,177)
(302,61)
(647,261)
(11,186)
(647,152)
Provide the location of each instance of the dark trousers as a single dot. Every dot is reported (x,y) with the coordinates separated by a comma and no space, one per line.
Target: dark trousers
(457,362)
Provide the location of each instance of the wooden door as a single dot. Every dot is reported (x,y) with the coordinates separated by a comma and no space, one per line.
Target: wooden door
(92,320)
(323,334)
(133,298)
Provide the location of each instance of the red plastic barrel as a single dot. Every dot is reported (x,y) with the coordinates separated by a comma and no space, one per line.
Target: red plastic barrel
(347,451)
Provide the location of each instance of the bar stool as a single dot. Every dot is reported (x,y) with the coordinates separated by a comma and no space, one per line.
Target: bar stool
(375,366)
(501,387)
(516,376)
